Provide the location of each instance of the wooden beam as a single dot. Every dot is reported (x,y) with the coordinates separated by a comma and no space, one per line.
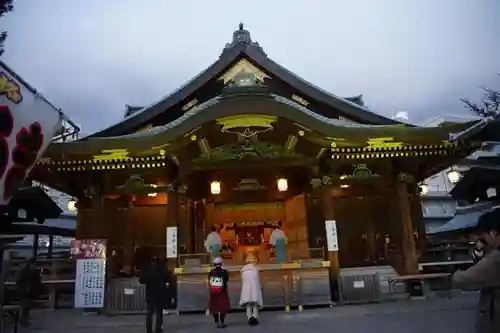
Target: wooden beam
(407,236)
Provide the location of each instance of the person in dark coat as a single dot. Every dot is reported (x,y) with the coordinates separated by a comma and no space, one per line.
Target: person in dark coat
(156,278)
(29,284)
(485,276)
(219,304)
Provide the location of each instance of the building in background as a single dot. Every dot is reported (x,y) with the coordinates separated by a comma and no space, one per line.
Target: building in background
(471,186)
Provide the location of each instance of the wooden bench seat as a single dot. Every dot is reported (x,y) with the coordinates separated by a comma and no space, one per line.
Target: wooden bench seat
(13,311)
(418,277)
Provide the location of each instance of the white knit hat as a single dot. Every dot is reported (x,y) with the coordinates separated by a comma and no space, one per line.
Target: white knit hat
(218,261)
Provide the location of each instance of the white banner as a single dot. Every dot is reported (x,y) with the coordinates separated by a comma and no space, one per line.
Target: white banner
(332,240)
(171,242)
(27,124)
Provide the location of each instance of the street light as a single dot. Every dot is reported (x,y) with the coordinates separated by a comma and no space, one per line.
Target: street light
(453,176)
(215,187)
(72,205)
(282,184)
(424,188)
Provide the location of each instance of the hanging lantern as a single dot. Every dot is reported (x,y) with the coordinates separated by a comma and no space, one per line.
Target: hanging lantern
(72,205)
(282,184)
(424,188)
(215,187)
(453,176)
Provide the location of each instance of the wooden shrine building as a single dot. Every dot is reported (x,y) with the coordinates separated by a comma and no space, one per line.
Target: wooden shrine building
(245,145)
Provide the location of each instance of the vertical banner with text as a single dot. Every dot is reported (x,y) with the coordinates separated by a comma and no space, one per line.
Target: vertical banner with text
(171,245)
(332,240)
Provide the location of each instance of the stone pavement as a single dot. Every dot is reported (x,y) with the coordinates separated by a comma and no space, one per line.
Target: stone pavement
(429,316)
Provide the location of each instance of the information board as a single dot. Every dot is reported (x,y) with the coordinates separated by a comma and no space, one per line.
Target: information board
(90,256)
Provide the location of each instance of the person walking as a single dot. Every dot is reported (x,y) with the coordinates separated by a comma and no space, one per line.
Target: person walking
(29,284)
(156,279)
(251,290)
(485,276)
(218,303)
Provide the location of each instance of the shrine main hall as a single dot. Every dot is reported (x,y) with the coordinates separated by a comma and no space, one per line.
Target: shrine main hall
(243,147)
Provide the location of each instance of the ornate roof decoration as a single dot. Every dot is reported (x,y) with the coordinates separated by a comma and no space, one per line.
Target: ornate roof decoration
(242,36)
(242,54)
(130,110)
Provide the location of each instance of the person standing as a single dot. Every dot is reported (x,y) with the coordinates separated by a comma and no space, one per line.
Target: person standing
(485,276)
(213,243)
(29,284)
(478,252)
(218,303)
(251,290)
(156,279)
(278,240)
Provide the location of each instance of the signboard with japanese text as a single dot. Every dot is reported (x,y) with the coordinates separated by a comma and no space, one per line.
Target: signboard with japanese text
(28,122)
(90,255)
(332,240)
(171,242)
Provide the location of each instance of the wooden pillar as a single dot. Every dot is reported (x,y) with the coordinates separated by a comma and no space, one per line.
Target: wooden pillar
(34,249)
(50,250)
(332,256)
(190,234)
(407,237)
(173,219)
(129,243)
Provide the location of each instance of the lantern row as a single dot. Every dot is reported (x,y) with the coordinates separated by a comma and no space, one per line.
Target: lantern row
(112,167)
(392,146)
(348,156)
(103,160)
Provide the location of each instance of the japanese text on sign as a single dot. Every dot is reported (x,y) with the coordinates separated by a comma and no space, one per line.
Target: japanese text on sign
(171,242)
(331,236)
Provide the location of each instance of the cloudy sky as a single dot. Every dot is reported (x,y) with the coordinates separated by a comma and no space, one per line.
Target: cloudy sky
(91,57)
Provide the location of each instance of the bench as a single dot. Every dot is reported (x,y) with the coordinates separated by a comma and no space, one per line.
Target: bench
(443,264)
(52,289)
(13,311)
(392,281)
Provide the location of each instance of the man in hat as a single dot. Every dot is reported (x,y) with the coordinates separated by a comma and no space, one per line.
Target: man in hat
(219,304)
(485,275)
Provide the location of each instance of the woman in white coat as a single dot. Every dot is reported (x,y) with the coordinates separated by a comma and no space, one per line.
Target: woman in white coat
(251,290)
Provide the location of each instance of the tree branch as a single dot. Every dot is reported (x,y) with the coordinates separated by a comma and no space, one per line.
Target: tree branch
(489,107)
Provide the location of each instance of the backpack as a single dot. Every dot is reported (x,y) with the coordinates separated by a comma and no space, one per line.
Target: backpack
(216,284)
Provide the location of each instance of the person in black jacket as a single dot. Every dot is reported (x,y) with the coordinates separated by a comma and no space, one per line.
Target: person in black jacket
(219,304)
(28,284)
(156,278)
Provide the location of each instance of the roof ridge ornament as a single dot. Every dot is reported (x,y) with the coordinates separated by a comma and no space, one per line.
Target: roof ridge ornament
(242,36)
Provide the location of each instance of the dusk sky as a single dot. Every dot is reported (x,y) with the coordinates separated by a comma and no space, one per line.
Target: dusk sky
(92,57)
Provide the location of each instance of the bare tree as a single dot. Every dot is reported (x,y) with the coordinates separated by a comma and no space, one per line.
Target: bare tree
(489,107)
(5,7)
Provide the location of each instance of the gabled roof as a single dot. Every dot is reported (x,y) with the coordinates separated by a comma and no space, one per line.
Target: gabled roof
(131,109)
(242,47)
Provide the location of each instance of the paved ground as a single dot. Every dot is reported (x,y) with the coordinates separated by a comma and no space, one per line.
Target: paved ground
(422,316)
